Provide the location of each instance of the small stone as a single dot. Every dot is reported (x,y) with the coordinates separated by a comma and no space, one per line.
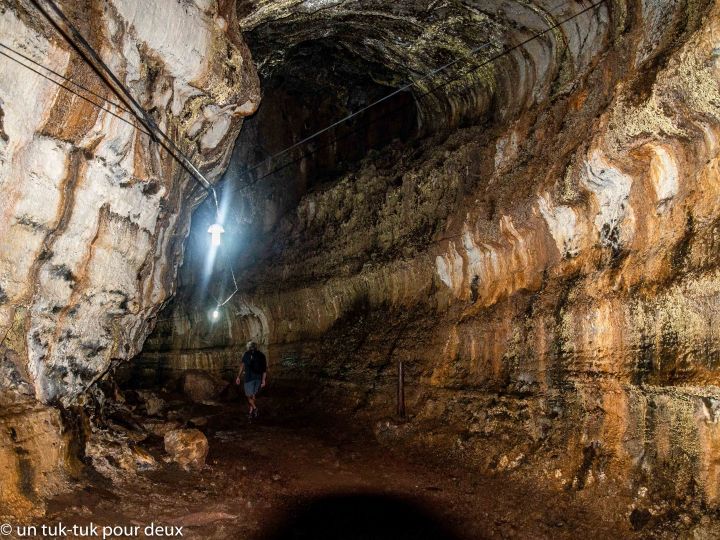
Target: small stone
(143,459)
(187,447)
(154,405)
(160,428)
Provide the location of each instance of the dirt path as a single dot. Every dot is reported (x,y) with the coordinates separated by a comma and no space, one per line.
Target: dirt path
(298,476)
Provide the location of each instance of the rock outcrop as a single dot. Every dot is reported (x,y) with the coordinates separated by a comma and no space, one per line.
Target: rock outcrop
(36,457)
(94,211)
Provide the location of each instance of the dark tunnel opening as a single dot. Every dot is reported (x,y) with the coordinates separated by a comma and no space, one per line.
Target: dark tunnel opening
(318,84)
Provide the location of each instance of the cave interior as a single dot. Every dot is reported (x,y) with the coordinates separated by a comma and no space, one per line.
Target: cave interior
(476,241)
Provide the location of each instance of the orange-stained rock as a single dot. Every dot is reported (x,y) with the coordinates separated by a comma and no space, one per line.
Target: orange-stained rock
(36,460)
(187,447)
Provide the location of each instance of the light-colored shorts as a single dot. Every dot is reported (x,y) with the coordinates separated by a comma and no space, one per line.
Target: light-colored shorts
(252,387)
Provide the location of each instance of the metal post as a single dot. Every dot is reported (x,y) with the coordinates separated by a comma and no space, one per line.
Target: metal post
(401,390)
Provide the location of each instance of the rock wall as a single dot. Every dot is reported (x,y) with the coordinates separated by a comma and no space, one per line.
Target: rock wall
(94,212)
(37,456)
(551,282)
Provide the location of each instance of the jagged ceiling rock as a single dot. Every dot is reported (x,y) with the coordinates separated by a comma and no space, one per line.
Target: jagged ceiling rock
(94,212)
(403,42)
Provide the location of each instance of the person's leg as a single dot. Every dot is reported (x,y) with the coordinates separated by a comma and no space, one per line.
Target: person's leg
(251,390)
(257,389)
(250,394)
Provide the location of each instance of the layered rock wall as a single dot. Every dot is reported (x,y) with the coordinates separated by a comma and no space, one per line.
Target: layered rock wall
(94,211)
(550,282)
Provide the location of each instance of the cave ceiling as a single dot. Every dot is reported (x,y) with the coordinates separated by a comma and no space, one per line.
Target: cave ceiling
(397,43)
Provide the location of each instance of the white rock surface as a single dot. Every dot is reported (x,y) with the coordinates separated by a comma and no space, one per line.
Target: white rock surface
(93,212)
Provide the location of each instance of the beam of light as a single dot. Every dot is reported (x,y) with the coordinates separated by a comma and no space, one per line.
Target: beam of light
(216,230)
(209,261)
(213,281)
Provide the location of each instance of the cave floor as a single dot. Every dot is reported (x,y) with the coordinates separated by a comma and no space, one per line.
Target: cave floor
(297,475)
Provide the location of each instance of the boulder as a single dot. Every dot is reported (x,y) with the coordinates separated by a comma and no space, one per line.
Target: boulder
(200,386)
(187,447)
(154,405)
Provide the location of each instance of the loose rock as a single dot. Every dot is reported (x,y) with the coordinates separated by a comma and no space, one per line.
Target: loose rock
(154,405)
(187,447)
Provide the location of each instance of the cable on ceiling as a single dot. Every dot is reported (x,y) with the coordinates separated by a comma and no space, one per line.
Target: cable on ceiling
(86,51)
(490,60)
(73,92)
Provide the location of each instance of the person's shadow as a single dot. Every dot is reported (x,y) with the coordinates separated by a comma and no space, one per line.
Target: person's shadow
(360,517)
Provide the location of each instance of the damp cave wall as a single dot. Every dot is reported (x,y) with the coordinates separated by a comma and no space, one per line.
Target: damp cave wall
(548,274)
(93,212)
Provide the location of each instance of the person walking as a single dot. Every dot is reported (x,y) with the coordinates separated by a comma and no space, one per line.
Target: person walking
(254,367)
